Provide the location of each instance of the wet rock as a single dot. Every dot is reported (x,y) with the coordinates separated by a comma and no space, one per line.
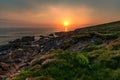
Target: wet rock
(15,41)
(41,36)
(23,39)
(53,35)
(4,47)
(27,39)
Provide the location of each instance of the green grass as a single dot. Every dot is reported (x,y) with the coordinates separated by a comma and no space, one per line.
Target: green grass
(76,66)
(100,60)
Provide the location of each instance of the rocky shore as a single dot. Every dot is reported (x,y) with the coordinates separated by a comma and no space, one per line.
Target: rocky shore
(19,54)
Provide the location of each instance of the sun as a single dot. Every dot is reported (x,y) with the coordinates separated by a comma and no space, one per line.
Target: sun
(66,23)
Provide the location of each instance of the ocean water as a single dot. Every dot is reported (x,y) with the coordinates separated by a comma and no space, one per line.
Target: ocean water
(9,34)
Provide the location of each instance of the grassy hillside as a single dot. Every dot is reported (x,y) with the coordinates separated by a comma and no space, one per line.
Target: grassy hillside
(113,26)
(91,53)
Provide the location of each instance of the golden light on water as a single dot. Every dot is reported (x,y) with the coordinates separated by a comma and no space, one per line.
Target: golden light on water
(66,29)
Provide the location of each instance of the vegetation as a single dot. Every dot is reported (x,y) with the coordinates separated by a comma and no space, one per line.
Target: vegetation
(99,60)
(99,64)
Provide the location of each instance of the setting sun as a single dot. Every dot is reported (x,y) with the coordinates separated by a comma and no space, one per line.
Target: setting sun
(66,23)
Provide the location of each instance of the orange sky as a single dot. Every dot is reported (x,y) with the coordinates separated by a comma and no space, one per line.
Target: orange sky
(56,12)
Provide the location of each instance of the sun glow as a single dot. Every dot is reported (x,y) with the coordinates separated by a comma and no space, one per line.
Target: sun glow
(66,24)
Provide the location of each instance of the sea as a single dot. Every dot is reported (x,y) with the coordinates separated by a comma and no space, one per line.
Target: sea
(11,33)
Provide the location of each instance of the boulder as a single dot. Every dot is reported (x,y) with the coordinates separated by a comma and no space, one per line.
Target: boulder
(27,39)
(1,78)
(4,47)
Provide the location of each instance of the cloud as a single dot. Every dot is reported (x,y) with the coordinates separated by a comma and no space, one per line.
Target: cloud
(54,11)
(31,4)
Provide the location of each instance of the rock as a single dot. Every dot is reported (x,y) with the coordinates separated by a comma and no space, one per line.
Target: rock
(53,35)
(15,41)
(4,66)
(27,39)
(1,78)
(28,79)
(48,61)
(4,47)
(41,36)
(23,39)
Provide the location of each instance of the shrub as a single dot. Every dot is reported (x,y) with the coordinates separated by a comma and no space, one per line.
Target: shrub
(82,59)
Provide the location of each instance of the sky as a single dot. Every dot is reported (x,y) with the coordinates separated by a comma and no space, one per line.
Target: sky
(56,12)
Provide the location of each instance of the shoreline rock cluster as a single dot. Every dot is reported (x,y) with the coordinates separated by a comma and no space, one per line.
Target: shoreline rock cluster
(17,54)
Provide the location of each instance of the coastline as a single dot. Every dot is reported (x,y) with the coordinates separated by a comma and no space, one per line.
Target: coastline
(10,33)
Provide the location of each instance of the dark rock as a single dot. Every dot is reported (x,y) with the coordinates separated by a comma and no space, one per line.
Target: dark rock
(27,38)
(15,41)
(4,47)
(1,78)
(4,68)
(42,37)
(51,35)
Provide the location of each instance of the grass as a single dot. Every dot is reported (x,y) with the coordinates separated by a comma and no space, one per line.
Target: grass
(75,66)
(100,60)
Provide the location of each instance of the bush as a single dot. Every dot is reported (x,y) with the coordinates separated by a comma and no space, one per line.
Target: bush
(82,59)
